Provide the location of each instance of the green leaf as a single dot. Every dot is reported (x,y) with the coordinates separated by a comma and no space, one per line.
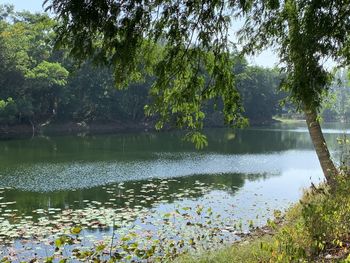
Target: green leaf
(75,230)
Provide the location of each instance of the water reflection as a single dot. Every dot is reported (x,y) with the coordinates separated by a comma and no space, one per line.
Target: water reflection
(121,196)
(243,175)
(47,177)
(144,146)
(63,171)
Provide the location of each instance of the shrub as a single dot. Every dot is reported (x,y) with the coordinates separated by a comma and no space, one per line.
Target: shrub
(8,111)
(317,228)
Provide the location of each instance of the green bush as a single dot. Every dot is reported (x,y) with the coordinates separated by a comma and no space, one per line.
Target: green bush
(327,217)
(8,111)
(317,228)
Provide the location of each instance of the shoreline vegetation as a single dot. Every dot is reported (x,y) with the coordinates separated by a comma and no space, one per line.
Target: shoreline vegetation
(316,229)
(70,128)
(20,131)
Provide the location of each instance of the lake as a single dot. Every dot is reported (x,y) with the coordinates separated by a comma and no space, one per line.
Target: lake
(115,183)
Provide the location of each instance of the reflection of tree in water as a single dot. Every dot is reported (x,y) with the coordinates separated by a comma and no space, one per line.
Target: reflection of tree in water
(144,146)
(257,141)
(145,193)
(258,177)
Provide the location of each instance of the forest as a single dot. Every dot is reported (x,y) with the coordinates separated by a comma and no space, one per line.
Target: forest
(41,85)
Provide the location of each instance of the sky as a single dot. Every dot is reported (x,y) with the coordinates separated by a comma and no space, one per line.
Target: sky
(265,59)
(29,5)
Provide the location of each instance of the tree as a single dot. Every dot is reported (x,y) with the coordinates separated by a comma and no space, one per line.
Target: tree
(35,78)
(336,107)
(47,81)
(195,40)
(24,45)
(305,33)
(8,111)
(259,90)
(194,45)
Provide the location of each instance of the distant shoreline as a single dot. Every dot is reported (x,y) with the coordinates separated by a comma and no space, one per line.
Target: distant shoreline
(23,131)
(70,128)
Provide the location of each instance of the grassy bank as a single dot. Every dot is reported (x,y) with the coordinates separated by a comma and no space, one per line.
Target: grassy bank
(317,229)
(245,252)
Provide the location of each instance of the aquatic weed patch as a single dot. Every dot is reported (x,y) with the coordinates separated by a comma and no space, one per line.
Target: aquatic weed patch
(156,218)
(29,236)
(157,237)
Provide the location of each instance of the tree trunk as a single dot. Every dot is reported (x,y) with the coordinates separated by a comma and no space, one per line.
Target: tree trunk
(33,128)
(328,167)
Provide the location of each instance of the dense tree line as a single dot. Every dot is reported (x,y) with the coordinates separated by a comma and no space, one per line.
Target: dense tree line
(41,85)
(336,106)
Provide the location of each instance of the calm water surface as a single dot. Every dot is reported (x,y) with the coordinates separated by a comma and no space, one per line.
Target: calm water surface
(242,175)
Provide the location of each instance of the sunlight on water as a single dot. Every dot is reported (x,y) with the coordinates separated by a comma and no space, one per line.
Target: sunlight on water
(135,179)
(48,177)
